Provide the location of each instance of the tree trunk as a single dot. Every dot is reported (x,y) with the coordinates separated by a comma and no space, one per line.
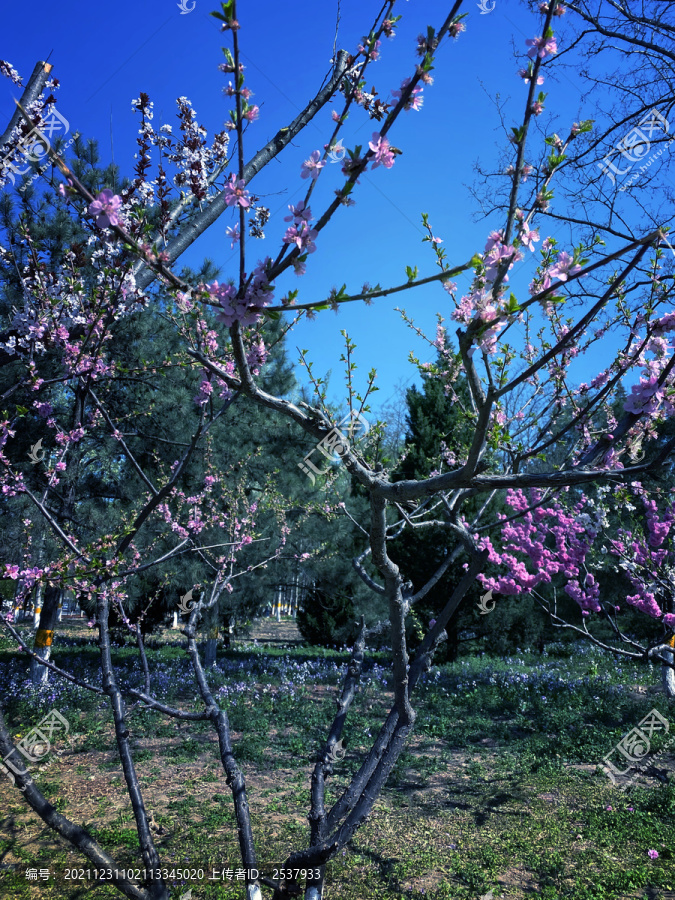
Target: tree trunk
(669,674)
(37,609)
(212,639)
(175,620)
(45,634)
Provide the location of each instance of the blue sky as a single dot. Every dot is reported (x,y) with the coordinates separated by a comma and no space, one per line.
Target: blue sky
(105,55)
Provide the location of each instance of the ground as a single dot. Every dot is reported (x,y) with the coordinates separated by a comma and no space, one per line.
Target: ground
(499,790)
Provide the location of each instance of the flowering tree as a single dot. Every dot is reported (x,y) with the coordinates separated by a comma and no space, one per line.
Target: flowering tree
(533,431)
(567,542)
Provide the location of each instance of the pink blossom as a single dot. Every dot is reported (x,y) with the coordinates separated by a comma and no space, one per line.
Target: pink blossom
(312,166)
(541,47)
(235,193)
(303,236)
(232,231)
(335,116)
(564,266)
(105,208)
(669,621)
(497,255)
(646,603)
(526,75)
(257,356)
(494,238)
(653,854)
(414,101)
(43,409)
(383,155)
(11,572)
(252,113)
(537,108)
(645,396)
(374,53)
(299,213)
(528,237)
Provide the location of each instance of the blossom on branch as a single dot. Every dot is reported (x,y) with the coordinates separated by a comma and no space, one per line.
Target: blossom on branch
(105,208)
(232,231)
(381,148)
(564,267)
(415,101)
(541,47)
(312,166)
(235,193)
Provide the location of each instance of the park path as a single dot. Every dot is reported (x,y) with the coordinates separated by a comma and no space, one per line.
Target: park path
(271,633)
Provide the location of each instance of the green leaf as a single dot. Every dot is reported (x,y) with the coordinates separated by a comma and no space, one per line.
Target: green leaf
(513,306)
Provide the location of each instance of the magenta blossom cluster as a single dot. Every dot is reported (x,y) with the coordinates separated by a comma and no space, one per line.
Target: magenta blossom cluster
(646,560)
(246,310)
(553,540)
(550,540)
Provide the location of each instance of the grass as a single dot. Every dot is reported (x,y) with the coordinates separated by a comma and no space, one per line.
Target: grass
(499,788)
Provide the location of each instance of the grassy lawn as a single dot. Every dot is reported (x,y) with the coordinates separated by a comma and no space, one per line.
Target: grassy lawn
(499,790)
